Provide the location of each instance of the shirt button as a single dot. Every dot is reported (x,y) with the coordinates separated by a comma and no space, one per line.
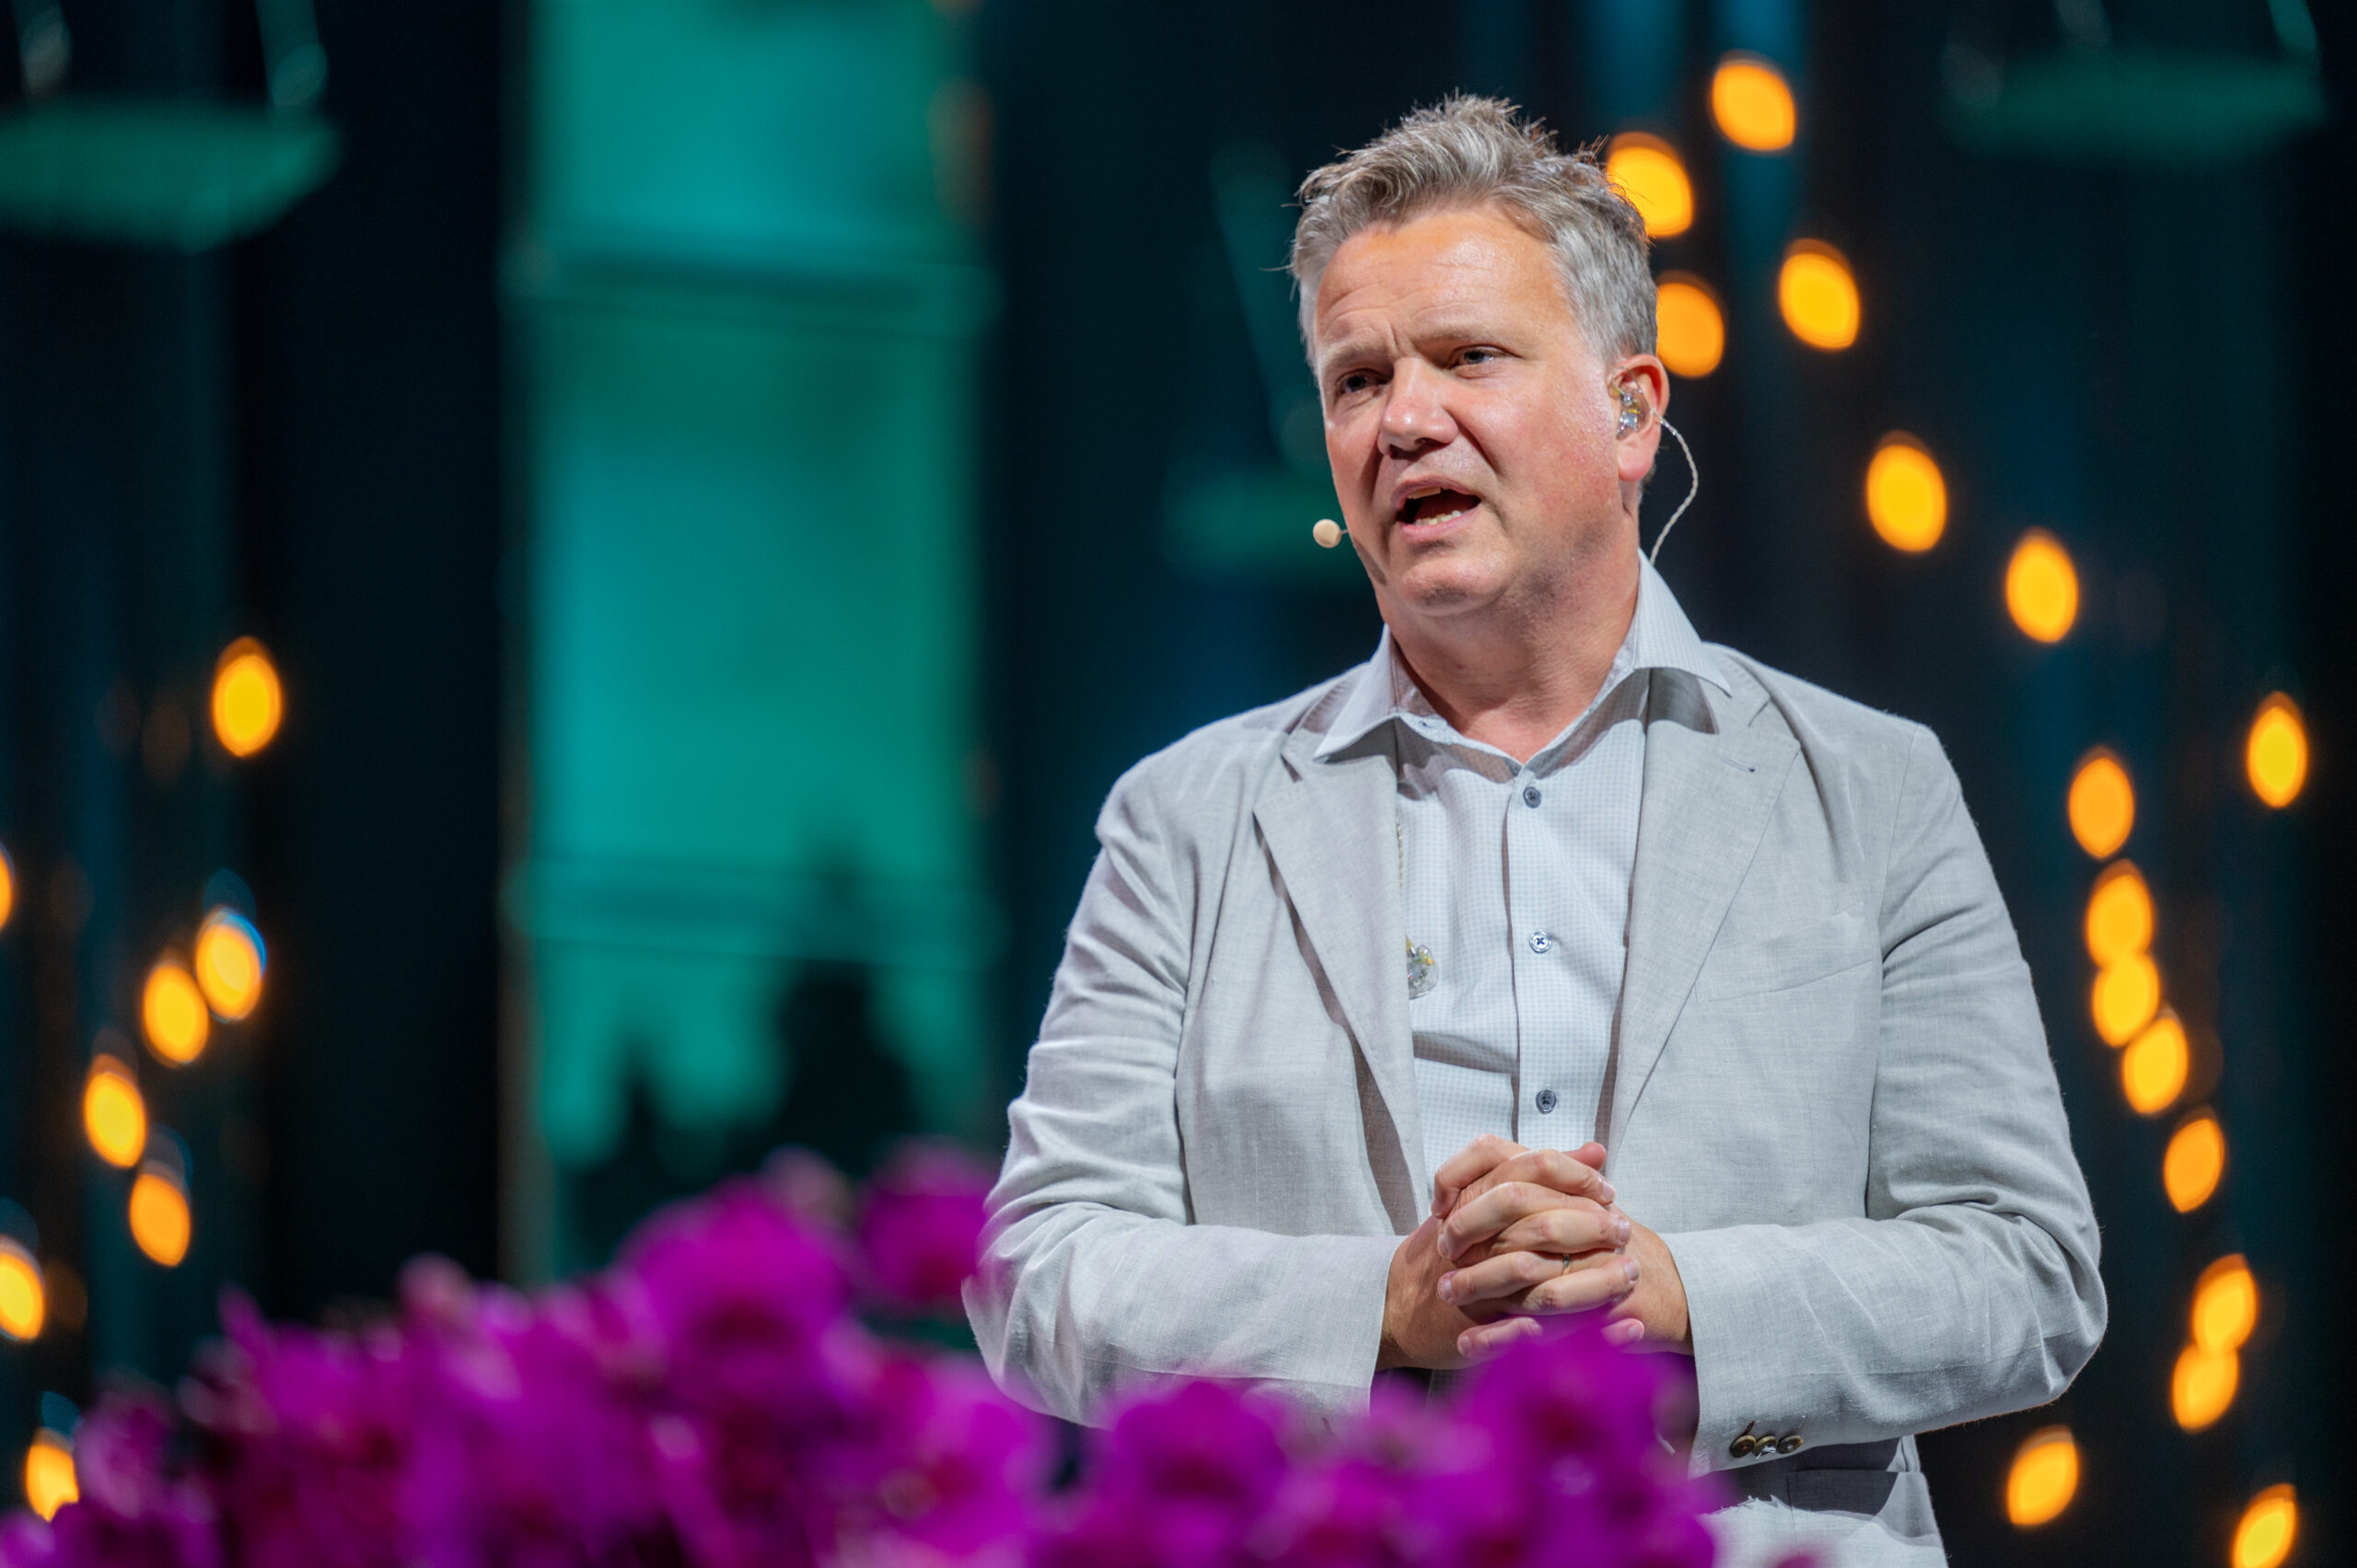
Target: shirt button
(1530,794)
(1546,1103)
(1540,941)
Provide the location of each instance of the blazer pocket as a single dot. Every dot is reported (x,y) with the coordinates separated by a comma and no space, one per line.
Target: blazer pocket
(1788,960)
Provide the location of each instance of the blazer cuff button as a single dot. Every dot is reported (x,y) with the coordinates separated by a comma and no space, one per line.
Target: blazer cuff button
(1743,1445)
(1790,1444)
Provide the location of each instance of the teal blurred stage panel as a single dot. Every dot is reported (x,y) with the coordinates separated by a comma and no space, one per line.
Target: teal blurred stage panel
(747,321)
(187,174)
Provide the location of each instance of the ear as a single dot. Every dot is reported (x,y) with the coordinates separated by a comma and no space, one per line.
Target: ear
(1646,378)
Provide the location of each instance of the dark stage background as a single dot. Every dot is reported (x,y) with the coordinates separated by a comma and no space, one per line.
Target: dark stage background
(727,486)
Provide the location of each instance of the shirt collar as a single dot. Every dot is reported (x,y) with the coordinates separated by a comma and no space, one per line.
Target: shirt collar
(1660,637)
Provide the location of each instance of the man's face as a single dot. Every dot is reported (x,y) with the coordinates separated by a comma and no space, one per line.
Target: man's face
(1468,420)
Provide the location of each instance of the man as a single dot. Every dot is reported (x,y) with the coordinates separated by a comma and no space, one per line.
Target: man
(1365,985)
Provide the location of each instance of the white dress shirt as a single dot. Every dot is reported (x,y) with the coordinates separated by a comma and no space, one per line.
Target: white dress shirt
(1516,878)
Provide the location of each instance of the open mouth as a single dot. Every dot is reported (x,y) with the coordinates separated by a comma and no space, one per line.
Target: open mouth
(1436,506)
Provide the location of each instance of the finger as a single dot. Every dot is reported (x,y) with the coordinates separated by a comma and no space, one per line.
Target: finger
(1467,1166)
(1571,1172)
(1507,1277)
(1478,1219)
(1581,1290)
(1486,1340)
(1577,1226)
(1624,1332)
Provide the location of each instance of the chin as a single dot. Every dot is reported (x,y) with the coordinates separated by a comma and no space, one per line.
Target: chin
(1448,587)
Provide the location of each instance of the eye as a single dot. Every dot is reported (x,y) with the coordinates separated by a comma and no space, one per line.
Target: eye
(1478,355)
(1353,381)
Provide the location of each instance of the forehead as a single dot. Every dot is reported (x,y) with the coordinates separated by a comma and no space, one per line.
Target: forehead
(1464,267)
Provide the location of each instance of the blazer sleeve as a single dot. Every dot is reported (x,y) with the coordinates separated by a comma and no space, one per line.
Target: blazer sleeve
(1969,1287)
(1092,1276)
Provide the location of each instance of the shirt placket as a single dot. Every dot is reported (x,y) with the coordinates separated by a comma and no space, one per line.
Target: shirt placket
(1536,959)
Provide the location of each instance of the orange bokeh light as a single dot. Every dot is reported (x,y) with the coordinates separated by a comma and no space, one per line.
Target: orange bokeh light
(1652,175)
(1907,497)
(2276,755)
(2202,1386)
(247,701)
(2154,1068)
(2044,1478)
(24,1302)
(1753,104)
(2194,1163)
(159,1216)
(172,1011)
(1818,295)
(2101,804)
(2042,587)
(2225,1305)
(114,1113)
(2126,994)
(1689,329)
(230,964)
(49,1474)
(2120,913)
(2264,1536)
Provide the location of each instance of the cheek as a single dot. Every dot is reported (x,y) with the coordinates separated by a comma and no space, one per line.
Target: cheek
(1559,456)
(1350,452)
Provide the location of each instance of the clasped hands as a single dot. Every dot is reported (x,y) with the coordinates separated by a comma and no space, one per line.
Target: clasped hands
(1516,1235)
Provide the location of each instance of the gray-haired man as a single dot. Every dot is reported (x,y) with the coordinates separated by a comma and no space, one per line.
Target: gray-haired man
(1365,985)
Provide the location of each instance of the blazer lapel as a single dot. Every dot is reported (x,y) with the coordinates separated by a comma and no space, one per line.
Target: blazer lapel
(1706,802)
(1333,834)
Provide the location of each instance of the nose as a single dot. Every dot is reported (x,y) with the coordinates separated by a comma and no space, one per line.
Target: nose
(1415,411)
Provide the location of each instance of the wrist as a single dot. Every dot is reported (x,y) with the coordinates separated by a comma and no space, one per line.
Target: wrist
(1668,1324)
(1388,1355)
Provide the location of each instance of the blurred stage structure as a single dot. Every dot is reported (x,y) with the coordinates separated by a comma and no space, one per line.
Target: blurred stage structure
(747,307)
(248,767)
(725,485)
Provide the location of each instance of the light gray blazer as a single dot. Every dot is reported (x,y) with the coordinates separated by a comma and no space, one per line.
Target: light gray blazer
(1830,1093)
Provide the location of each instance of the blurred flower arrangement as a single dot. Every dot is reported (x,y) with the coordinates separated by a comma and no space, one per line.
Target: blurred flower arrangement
(715,1401)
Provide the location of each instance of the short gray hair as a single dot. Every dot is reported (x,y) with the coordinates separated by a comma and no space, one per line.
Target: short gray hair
(1472,152)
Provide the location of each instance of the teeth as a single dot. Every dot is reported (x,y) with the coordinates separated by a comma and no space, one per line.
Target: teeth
(1444,517)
